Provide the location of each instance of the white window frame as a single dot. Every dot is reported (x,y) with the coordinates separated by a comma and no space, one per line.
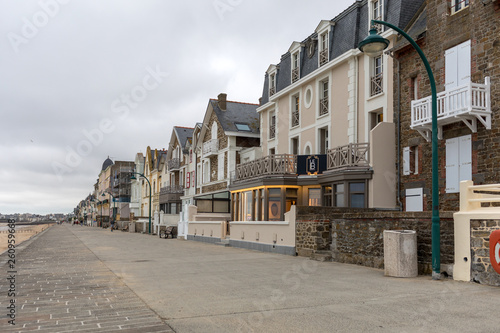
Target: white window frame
(294,104)
(272,114)
(377,12)
(410,154)
(295,61)
(377,70)
(458,5)
(272,84)
(321,95)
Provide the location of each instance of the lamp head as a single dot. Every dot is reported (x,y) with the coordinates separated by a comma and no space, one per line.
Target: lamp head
(133,177)
(373,44)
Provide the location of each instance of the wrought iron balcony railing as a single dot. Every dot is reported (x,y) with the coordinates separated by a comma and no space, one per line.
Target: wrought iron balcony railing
(173,189)
(174,164)
(468,103)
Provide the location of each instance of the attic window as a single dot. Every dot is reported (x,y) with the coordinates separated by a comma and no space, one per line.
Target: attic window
(242,127)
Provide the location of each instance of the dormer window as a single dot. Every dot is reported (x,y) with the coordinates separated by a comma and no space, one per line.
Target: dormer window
(295,66)
(272,84)
(323,53)
(377,76)
(377,10)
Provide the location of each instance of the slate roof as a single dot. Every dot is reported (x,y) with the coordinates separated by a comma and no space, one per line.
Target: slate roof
(237,112)
(106,164)
(350,27)
(183,134)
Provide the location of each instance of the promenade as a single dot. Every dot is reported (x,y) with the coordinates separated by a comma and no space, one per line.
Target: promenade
(82,279)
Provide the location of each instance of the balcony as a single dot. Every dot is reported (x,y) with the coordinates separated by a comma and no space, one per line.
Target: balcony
(349,156)
(377,84)
(211,148)
(323,106)
(174,164)
(171,194)
(323,57)
(282,164)
(295,74)
(174,189)
(469,103)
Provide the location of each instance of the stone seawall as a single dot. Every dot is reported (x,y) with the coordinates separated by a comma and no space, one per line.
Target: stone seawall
(356,236)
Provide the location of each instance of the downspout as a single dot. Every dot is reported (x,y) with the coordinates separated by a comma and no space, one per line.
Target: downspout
(356,87)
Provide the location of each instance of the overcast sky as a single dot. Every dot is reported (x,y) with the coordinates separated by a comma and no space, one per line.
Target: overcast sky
(84,79)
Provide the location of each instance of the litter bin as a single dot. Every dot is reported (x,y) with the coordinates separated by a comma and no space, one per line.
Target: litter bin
(400,253)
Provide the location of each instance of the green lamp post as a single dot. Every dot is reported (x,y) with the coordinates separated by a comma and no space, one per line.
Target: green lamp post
(132,177)
(373,45)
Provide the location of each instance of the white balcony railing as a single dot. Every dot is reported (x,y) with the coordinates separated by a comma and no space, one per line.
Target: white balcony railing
(468,103)
(211,148)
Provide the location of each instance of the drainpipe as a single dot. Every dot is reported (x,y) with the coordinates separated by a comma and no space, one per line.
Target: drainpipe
(356,87)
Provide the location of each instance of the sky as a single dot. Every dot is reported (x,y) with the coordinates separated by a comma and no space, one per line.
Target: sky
(81,80)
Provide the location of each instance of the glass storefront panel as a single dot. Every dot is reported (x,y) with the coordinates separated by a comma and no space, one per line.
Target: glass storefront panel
(314,197)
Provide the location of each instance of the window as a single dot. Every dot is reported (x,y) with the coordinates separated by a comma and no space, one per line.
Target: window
(357,195)
(458,162)
(323,97)
(220,166)
(272,84)
(414,200)
(352,194)
(457,65)
(414,88)
(457,5)
(242,127)
(376,80)
(272,151)
(214,130)
(291,198)
(272,126)
(295,111)
(295,146)
(314,197)
(190,156)
(323,140)
(274,204)
(188,180)
(376,118)
(214,203)
(295,66)
(377,11)
(410,160)
(323,53)
(339,198)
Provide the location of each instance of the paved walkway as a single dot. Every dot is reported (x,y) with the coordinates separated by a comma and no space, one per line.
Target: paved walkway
(63,287)
(75,277)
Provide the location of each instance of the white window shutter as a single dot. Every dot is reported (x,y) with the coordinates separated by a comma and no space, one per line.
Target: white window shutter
(406,161)
(451,66)
(452,165)
(464,63)
(220,171)
(414,200)
(465,158)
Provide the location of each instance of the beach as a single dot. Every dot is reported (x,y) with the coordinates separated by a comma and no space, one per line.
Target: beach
(22,234)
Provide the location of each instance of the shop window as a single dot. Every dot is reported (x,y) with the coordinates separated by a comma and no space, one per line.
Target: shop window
(357,195)
(274,204)
(291,198)
(314,197)
(327,196)
(339,195)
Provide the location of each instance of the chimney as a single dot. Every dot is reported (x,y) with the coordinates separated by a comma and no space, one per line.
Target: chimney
(222,101)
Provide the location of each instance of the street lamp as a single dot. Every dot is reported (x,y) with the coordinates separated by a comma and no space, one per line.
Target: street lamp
(374,44)
(114,201)
(132,177)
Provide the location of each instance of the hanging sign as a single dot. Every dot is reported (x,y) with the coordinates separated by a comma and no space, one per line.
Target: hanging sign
(495,250)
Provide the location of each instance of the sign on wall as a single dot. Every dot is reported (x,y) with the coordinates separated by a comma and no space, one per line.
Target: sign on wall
(311,164)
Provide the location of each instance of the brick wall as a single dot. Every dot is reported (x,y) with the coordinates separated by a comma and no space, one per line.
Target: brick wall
(478,23)
(481,269)
(356,236)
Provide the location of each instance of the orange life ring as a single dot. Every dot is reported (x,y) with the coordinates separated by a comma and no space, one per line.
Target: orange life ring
(495,250)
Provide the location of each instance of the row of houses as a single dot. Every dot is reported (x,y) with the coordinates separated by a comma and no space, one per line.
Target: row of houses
(334,128)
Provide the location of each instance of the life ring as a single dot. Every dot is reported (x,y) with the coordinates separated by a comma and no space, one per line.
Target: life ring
(495,250)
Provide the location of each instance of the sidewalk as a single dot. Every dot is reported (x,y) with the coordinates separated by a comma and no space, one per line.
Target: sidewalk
(198,287)
(62,286)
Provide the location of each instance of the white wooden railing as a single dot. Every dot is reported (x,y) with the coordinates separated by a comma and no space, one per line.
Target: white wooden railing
(470,100)
(351,155)
(280,164)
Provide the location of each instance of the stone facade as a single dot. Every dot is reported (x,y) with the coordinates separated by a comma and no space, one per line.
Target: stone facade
(214,187)
(481,25)
(481,269)
(356,236)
